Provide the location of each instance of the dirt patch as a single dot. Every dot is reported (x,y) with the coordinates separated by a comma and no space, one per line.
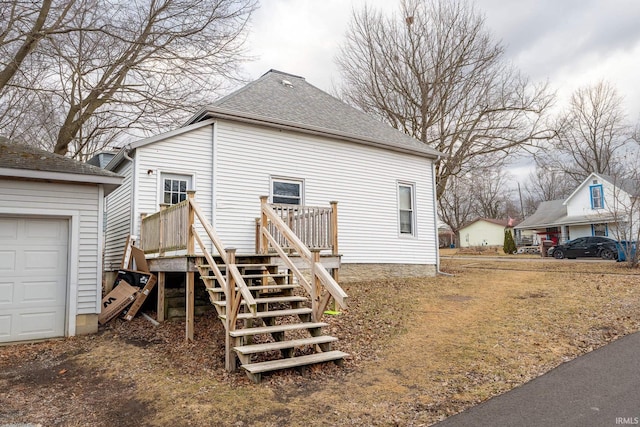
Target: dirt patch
(421,350)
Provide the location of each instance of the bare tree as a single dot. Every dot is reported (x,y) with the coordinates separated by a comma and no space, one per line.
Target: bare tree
(436,73)
(592,134)
(23,24)
(491,193)
(545,184)
(457,206)
(139,68)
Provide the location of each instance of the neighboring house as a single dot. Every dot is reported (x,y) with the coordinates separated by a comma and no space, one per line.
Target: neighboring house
(595,208)
(484,232)
(282,137)
(50,243)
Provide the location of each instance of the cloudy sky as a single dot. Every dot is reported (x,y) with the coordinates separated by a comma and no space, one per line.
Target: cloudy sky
(570,43)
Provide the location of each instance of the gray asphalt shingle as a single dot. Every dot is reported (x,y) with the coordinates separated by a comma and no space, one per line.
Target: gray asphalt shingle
(24,157)
(283,98)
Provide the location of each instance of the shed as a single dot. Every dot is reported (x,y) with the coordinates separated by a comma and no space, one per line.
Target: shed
(51,228)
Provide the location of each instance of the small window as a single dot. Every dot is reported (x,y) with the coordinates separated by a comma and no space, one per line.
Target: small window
(406,209)
(286,191)
(597,200)
(174,188)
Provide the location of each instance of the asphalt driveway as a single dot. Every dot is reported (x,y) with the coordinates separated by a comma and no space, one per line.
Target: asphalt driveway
(601,388)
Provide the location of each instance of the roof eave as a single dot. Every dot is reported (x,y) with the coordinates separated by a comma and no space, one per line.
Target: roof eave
(109,182)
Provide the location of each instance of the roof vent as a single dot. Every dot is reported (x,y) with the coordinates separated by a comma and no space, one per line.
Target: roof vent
(287,83)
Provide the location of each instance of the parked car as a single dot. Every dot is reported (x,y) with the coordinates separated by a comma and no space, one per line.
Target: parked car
(594,246)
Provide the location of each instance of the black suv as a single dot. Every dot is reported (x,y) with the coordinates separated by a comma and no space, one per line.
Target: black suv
(595,246)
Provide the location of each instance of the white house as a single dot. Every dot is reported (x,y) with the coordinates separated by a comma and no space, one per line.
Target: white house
(51,236)
(597,207)
(484,232)
(280,136)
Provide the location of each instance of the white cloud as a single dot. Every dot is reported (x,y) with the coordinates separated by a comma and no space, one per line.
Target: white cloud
(569,42)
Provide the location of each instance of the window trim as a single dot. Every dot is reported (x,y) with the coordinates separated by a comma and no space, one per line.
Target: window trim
(162,175)
(412,187)
(593,205)
(287,180)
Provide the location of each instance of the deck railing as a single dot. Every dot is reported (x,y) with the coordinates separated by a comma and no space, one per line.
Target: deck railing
(312,224)
(166,230)
(273,229)
(316,227)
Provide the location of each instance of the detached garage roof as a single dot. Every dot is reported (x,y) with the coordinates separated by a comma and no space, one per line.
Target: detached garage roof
(25,162)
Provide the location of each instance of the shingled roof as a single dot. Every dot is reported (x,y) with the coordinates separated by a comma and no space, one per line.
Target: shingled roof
(286,101)
(23,161)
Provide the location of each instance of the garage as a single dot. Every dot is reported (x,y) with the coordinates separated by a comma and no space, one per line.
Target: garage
(51,243)
(33,278)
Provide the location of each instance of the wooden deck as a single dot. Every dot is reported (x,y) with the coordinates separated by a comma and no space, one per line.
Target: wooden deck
(283,288)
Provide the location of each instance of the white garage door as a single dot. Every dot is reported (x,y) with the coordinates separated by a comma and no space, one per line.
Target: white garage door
(33,278)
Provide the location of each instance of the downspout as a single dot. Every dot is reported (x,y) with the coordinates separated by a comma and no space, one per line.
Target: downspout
(435,217)
(125,154)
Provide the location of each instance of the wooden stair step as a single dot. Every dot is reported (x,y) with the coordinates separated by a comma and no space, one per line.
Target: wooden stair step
(292,362)
(277,328)
(245,266)
(261,275)
(251,276)
(268,300)
(273,313)
(280,345)
(260,288)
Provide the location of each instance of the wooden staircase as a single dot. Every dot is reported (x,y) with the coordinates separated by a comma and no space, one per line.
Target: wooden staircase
(281,334)
(271,312)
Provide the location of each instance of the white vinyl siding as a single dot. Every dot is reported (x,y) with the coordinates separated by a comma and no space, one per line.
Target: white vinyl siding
(81,205)
(187,154)
(118,218)
(362,179)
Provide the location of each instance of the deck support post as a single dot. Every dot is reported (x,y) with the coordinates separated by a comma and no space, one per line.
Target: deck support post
(334,227)
(163,206)
(190,305)
(264,244)
(191,216)
(230,314)
(160,308)
(316,289)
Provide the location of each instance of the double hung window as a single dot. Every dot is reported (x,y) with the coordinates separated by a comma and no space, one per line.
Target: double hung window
(406,208)
(597,197)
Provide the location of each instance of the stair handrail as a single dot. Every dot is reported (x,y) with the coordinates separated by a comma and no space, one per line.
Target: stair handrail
(318,271)
(229,262)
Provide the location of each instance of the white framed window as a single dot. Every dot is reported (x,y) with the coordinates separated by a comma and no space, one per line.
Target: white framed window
(406,209)
(289,191)
(173,188)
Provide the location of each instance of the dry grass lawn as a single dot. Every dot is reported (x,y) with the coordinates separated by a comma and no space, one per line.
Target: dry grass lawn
(422,349)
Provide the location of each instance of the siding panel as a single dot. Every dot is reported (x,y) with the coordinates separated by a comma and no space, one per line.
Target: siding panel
(118,219)
(362,179)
